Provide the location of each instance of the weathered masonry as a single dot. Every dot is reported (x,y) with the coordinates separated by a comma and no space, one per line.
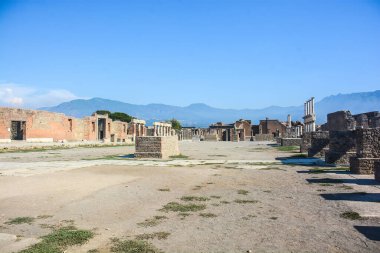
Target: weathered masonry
(345,134)
(241,130)
(367,151)
(43,126)
(156,147)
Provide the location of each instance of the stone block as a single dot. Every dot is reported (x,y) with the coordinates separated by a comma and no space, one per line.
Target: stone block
(156,147)
(319,143)
(368,143)
(306,142)
(342,146)
(339,158)
(363,165)
(264,137)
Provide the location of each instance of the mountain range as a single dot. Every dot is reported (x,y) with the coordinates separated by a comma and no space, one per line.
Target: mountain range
(202,115)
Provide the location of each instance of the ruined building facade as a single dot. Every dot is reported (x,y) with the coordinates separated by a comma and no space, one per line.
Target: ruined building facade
(43,126)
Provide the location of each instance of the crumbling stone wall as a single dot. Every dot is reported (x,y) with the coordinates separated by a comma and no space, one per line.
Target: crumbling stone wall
(211,137)
(291,141)
(319,144)
(367,151)
(342,146)
(340,121)
(264,137)
(42,126)
(306,142)
(161,147)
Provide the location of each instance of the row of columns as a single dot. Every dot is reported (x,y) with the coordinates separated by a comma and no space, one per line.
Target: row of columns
(309,107)
(139,129)
(162,130)
(309,116)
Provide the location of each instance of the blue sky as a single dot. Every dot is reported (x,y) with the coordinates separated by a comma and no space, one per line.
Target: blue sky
(228,54)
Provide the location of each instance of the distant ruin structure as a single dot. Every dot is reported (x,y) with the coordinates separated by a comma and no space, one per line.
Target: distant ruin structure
(44,126)
(162,129)
(241,130)
(309,116)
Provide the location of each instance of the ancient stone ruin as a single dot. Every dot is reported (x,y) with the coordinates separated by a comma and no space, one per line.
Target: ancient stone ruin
(43,126)
(160,147)
(367,151)
(309,118)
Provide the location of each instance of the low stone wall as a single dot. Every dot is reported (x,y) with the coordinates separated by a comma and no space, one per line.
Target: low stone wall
(377,171)
(319,144)
(306,142)
(291,141)
(211,137)
(363,165)
(342,146)
(161,147)
(263,137)
(367,151)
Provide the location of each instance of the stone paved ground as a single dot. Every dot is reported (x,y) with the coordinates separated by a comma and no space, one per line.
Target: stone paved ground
(289,209)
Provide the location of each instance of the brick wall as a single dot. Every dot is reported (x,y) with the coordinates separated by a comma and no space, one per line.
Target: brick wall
(319,144)
(367,151)
(306,142)
(342,146)
(57,126)
(156,146)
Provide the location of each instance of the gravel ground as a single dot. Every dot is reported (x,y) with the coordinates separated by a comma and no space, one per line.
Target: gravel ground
(286,209)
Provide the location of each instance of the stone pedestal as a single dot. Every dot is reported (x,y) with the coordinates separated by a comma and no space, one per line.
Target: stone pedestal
(342,146)
(306,142)
(363,165)
(319,144)
(161,147)
(367,151)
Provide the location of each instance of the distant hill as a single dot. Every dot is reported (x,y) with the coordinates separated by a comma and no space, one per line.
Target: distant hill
(202,115)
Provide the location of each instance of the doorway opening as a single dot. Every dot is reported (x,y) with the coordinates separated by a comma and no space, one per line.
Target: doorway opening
(18,130)
(101,129)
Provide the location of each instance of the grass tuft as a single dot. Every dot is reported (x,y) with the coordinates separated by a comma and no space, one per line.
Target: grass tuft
(272,168)
(158,235)
(288,148)
(177,207)
(133,246)
(164,190)
(180,156)
(245,201)
(194,198)
(20,220)
(350,215)
(59,240)
(152,222)
(242,192)
(208,215)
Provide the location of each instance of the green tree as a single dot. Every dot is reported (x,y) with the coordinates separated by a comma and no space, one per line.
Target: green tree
(103,112)
(175,124)
(121,116)
(116,115)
